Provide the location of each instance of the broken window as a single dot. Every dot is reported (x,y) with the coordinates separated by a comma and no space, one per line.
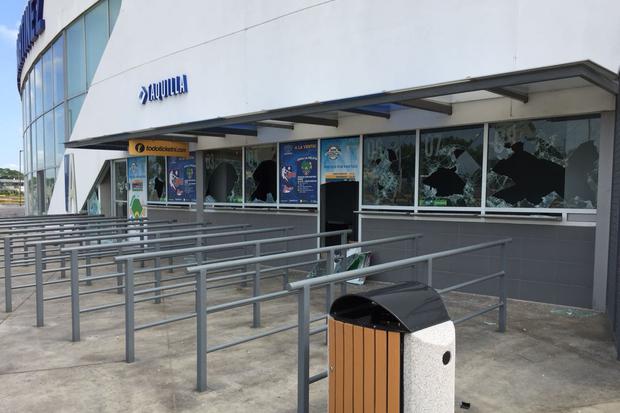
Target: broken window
(389,169)
(451,167)
(261,174)
(223,176)
(549,163)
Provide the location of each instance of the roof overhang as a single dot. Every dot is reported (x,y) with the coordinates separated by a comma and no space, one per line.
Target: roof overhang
(513,85)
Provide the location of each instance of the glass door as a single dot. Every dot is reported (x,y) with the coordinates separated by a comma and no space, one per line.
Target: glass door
(119,187)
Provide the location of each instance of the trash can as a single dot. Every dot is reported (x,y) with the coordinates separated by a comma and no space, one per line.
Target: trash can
(391,350)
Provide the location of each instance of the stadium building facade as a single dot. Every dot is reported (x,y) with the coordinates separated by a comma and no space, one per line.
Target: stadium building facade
(465,121)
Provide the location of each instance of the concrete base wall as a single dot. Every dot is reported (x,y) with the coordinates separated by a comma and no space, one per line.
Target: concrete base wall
(301,223)
(546,263)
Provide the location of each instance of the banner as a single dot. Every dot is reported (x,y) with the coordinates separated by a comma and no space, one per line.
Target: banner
(140,147)
(182,179)
(298,172)
(137,183)
(70,192)
(339,159)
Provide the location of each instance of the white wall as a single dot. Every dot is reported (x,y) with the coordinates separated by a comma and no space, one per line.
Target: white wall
(244,56)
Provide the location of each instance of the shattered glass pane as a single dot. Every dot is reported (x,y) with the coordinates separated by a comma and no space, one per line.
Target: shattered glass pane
(451,167)
(550,163)
(389,169)
(261,174)
(223,175)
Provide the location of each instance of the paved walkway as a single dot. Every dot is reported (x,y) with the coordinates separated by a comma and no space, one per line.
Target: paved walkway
(550,360)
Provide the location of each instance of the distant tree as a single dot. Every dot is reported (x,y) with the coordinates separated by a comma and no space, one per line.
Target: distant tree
(7,173)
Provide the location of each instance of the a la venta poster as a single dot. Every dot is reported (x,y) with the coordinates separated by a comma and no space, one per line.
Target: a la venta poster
(298,172)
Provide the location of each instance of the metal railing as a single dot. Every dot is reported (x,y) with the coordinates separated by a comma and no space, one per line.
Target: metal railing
(148,241)
(11,255)
(201,299)
(303,288)
(237,262)
(126,272)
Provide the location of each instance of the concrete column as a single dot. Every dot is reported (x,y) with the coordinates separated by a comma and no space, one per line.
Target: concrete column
(200,186)
(603,211)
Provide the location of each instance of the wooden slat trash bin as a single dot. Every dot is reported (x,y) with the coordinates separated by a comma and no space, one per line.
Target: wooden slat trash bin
(391,350)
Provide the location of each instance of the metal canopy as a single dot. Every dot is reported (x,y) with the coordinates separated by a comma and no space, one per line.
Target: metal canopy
(506,84)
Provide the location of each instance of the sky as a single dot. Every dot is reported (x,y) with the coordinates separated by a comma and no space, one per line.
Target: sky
(10,105)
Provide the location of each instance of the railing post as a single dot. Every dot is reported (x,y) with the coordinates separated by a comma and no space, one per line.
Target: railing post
(429,272)
(503,301)
(157,270)
(286,249)
(247,267)
(38,253)
(256,290)
(75,297)
(119,270)
(63,273)
(329,288)
(88,269)
(144,246)
(303,351)
(414,253)
(8,297)
(201,330)
(129,312)
(43,258)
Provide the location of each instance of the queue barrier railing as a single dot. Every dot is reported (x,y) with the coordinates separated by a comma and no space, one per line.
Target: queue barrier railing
(231,262)
(202,310)
(303,287)
(101,251)
(123,269)
(130,229)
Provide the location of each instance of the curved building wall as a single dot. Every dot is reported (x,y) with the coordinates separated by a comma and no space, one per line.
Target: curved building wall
(55,83)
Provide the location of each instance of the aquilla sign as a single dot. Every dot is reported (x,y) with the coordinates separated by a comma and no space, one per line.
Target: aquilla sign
(32,25)
(176,85)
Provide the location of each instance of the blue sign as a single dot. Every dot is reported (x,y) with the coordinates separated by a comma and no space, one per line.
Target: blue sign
(31,27)
(182,179)
(298,172)
(339,159)
(176,85)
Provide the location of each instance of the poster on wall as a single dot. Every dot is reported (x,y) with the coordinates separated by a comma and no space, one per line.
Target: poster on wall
(93,205)
(182,179)
(137,183)
(298,172)
(70,193)
(339,159)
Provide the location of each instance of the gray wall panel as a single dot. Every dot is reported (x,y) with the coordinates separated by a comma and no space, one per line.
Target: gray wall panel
(547,263)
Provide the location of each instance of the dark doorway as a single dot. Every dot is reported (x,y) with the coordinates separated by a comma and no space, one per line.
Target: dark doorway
(339,201)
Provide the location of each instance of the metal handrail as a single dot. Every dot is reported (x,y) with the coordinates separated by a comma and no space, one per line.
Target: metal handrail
(107,250)
(256,287)
(303,287)
(201,290)
(129,260)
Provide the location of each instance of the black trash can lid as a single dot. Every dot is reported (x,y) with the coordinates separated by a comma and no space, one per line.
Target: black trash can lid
(406,308)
